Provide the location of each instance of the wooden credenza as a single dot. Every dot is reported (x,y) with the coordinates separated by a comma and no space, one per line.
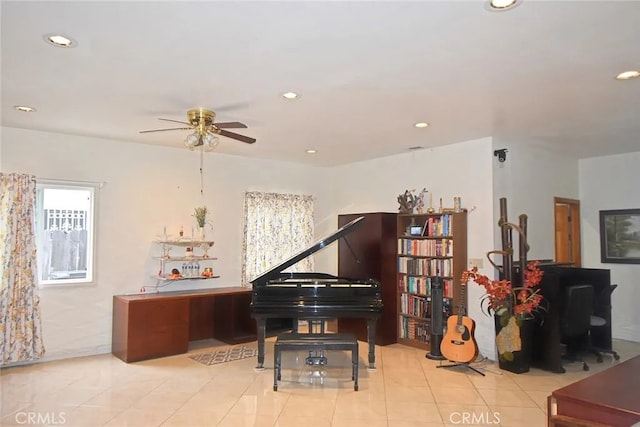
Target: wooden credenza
(146,326)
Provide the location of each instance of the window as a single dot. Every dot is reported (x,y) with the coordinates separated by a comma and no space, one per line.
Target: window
(276,227)
(64,232)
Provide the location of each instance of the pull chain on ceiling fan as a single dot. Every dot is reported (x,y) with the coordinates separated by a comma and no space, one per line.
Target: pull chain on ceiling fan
(205,130)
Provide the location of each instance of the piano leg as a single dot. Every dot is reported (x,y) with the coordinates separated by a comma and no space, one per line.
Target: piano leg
(261,326)
(371,339)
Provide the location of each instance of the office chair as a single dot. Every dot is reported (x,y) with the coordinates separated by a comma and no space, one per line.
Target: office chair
(599,322)
(575,321)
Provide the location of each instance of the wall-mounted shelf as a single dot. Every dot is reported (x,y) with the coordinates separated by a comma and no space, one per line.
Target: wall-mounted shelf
(184,258)
(185,243)
(177,279)
(198,255)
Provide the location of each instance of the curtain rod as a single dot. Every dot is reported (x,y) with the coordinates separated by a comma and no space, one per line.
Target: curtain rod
(99,184)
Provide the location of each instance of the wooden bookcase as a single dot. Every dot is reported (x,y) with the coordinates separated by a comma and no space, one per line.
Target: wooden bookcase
(369,253)
(428,246)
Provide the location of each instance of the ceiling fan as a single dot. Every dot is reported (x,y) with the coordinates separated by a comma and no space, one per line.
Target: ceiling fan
(201,121)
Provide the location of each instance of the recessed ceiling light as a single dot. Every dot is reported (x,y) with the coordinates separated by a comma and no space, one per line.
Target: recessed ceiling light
(24,108)
(59,40)
(628,75)
(421,125)
(500,5)
(312,151)
(290,95)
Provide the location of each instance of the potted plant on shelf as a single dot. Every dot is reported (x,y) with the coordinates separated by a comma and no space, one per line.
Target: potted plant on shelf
(514,310)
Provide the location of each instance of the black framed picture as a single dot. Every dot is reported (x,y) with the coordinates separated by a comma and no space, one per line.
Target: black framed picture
(620,236)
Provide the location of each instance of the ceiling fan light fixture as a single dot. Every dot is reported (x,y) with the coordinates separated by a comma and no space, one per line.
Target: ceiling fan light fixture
(202,122)
(191,140)
(210,141)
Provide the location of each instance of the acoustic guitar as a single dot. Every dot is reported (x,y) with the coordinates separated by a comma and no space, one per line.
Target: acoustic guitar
(459,343)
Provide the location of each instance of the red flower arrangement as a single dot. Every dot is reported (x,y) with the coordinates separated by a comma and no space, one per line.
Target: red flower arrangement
(503,299)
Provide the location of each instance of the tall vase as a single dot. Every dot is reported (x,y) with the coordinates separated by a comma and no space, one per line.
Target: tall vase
(514,336)
(202,235)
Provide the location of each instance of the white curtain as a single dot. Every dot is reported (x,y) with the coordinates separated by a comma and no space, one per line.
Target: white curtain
(276,227)
(20,323)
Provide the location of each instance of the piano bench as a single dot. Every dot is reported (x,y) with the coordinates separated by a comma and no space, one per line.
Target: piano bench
(292,341)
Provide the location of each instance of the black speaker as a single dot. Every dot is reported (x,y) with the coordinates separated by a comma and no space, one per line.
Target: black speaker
(437,319)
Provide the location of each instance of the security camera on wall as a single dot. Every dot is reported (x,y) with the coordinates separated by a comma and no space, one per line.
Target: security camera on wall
(501,155)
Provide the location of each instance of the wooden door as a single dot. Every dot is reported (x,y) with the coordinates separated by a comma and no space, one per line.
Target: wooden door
(567,231)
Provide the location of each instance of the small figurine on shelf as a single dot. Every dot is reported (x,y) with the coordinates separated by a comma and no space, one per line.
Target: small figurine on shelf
(421,201)
(205,247)
(165,251)
(407,202)
(457,206)
(430,210)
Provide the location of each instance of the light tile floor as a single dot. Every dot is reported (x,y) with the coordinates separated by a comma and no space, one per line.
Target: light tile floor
(405,390)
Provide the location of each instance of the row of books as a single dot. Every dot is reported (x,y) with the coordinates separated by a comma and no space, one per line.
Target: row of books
(438,226)
(425,266)
(414,305)
(419,306)
(422,247)
(422,285)
(415,329)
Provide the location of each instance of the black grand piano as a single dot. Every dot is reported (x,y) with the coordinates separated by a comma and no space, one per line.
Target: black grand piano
(314,296)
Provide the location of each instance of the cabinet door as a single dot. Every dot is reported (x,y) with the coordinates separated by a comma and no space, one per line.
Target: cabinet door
(158,327)
(232,320)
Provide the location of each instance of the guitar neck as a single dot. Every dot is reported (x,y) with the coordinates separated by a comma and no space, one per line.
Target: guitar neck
(462,307)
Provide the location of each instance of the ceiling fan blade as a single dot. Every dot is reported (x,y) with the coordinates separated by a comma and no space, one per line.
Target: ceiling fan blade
(175,121)
(236,136)
(229,125)
(162,130)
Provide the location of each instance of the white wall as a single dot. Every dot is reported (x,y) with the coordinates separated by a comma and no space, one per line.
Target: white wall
(146,188)
(612,183)
(462,169)
(529,179)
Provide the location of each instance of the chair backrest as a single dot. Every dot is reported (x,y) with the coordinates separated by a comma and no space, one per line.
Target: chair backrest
(576,311)
(602,301)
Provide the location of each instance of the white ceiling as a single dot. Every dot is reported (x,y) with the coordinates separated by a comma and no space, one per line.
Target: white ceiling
(542,73)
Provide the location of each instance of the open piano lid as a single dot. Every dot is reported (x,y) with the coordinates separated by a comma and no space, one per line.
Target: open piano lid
(341,232)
